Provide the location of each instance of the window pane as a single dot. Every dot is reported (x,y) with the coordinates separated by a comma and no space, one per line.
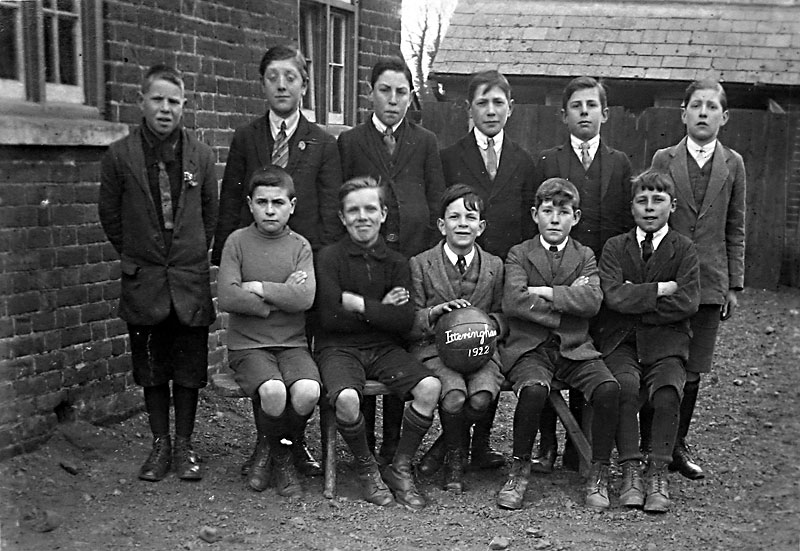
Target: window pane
(338,38)
(67,31)
(49,49)
(9,67)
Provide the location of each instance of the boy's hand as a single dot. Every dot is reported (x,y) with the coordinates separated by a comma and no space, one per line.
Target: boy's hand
(731,303)
(580,280)
(542,292)
(255,287)
(439,310)
(666,288)
(396,297)
(296,278)
(352,302)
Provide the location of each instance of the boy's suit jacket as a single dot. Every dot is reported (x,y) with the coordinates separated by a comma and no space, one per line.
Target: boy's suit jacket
(615,183)
(314,167)
(414,173)
(630,286)
(507,200)
(531,319)
(153,277)
(717,226)
(431,286)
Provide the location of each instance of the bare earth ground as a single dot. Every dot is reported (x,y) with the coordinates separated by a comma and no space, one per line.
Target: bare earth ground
(80,491)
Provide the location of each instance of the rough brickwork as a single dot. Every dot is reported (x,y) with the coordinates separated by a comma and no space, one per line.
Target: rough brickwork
(63,351)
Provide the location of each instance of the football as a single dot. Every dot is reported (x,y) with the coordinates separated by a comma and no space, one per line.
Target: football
(465,339)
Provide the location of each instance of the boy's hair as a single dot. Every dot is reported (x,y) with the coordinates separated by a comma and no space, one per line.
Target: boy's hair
(390,64)
(472,201)
(161,72)
(653,180)
(271,176)
(492,79)
(706,84)
(360,182)
(582,83)
(560,191)
(277,53)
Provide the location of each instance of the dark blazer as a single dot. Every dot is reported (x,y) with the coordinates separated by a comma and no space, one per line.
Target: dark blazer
(717,226)
(314,167)
(615,184)
(155,278)
(507,200)
(661,324)
(414,173)
(531,319)
(431,286)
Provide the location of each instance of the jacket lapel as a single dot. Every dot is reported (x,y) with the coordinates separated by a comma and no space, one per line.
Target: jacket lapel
(471,155)
(661,256)
(407,147)
(263,141)
(564,151)
(679,171)
(569,263)
(189,161)
(538,258)
(295,151)
(634,254)
(719,174)
(485,277)
(605,168)
(509,161)
(439,279)
(135,156)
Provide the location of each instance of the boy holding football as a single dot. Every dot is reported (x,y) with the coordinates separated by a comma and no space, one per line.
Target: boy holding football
(457,273)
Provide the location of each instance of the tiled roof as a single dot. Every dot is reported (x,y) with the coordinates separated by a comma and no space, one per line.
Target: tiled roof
(734,40)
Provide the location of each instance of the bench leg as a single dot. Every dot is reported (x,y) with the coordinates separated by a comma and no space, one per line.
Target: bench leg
(573,430)
(327,418)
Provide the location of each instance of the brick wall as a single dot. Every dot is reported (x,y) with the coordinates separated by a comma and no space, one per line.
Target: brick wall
(63,351)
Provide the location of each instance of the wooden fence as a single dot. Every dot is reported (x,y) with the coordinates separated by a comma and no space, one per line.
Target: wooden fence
(762,138)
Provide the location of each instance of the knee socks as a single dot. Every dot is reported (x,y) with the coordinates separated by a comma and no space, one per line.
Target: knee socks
(526,419)
(185,400)
(415,425)
(665,423)
(156,401)
(605,403)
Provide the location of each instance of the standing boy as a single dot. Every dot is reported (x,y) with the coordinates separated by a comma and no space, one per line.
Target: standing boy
(602,176)
(364,312)
(266,281)
(454,274)
(552,290)
(284,137)
(158,207)
(404,158)
(710,185)
(651,283)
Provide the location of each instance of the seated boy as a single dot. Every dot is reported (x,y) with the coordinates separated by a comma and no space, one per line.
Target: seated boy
(364,312)
(651,281)
(454,274)
(266,282)
(551,292)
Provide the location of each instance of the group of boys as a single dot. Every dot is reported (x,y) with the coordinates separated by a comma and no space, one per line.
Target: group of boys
(374,292)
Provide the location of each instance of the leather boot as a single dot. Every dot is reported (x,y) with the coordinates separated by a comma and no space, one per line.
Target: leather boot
(631,492)
(304,461)
(432,461)
(454,470)
(400,480)
(683,462)
(186,460)
(597,487)
(512,494)
(393,408)
(259,475)
(657,500)
(373,488)
(286,482)
(483,456)
(159,461)
(545,459)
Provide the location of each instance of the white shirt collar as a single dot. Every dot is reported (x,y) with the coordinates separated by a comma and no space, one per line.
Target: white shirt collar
(547,245)
(657,236)
(453,257)
(291,123)
(694,150)
(382,127)
(594,143)
(483,140)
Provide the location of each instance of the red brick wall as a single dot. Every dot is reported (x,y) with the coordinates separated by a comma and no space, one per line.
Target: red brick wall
(63,351)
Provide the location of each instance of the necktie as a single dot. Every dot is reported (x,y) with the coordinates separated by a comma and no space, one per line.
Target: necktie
(491,159)
(701,157)
(461,264)
(586,160)
(389,140)
(280,151)
(647,246)
(553,249)
(166,195)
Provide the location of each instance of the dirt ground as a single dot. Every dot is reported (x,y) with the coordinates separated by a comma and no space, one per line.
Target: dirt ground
(80,490)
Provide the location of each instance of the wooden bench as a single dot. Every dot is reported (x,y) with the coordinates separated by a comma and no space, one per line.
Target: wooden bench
(224,385)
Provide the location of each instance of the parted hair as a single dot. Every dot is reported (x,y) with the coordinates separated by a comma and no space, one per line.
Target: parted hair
(360,182)
(653,180)
(472,201)
(583,83)
(560,191)
(277,53)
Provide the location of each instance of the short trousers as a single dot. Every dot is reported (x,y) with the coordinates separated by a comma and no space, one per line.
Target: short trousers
(350,367)
(255,366)
(666,372)
(169,351)
(704,324)
(486,379)
(545,363)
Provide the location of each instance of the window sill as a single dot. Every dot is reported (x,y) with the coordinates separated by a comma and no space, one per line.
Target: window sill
(58,126)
